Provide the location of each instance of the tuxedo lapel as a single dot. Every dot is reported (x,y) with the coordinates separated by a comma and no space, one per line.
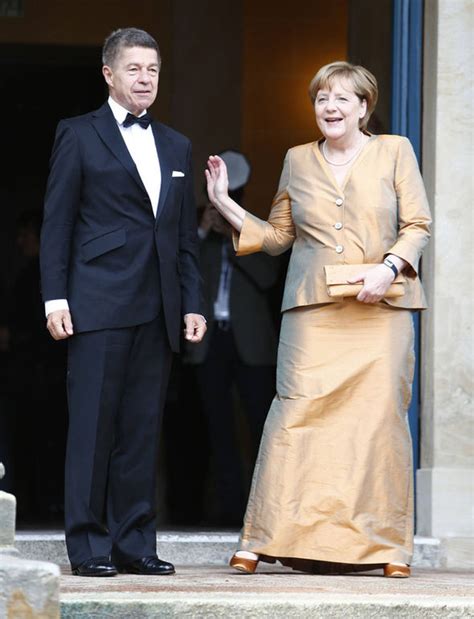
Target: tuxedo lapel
(106,126)
(166,159)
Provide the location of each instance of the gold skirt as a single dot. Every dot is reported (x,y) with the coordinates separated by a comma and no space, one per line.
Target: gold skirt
(333,481)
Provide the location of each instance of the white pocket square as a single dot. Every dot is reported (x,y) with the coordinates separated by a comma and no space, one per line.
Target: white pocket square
(177,173)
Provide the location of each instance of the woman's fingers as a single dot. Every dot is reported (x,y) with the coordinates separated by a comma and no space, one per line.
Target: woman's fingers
(210,187)
(216,177)
(214,163)
(365,297)
(218,174)
(376,283)
(358,278)
(211,172)
(371,294)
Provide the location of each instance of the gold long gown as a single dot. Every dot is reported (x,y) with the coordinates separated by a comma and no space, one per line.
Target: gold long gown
(333,478)
(332,487)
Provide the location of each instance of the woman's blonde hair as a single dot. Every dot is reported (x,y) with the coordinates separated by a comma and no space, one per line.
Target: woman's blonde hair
(362,81)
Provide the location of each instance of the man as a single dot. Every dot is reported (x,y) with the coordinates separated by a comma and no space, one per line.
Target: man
(119,269)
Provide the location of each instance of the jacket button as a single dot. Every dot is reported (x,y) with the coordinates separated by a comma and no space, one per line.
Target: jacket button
(339,249)
(338,225)
(339,202)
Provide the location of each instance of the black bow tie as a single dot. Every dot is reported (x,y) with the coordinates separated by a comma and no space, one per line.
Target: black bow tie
(144,121)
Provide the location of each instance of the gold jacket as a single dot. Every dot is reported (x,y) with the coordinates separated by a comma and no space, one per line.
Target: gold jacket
(380,209)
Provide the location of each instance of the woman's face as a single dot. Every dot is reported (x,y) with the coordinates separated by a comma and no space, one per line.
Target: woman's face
(339,110)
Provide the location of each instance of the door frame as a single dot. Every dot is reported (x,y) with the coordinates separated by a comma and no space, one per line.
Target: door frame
(406,119)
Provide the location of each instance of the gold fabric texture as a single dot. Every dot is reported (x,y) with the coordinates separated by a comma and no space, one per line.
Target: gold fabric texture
(380,209)
(333,478)
(332,487)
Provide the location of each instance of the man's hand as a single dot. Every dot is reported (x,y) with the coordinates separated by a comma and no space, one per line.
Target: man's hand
(195,327)
(59,324)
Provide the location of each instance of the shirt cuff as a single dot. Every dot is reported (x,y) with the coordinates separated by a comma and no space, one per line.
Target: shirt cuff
(54,305)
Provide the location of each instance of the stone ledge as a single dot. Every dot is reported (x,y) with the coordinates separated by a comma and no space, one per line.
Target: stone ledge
(7,518)
(197,548)
(258,606)
(273,591)
(457,553)
(28,589)
(190,548)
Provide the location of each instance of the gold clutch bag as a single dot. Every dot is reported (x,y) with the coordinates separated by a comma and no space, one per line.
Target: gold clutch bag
(338,274)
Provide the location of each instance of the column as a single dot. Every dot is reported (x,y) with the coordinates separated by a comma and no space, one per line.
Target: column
(445,489)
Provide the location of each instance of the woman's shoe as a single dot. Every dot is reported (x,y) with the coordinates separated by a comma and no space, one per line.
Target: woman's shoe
(248,566)
(396,571)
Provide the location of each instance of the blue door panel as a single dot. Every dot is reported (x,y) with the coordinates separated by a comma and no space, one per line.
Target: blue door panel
(406,120)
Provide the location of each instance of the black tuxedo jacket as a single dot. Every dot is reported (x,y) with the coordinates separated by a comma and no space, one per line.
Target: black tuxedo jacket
(102,248)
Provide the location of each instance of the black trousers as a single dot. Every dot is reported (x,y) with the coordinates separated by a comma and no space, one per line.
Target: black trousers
(117,381)
(255,385)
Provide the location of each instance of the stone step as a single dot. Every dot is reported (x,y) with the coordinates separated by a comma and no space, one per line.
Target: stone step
(275,606)
(28,588)
(272,592)
(188,547)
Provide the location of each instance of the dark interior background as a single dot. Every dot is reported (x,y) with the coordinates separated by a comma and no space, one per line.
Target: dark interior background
(234,75)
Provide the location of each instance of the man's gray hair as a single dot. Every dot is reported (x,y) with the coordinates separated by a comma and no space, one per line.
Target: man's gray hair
(126,37)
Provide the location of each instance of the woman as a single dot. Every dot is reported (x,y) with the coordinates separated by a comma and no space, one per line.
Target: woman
(332,487)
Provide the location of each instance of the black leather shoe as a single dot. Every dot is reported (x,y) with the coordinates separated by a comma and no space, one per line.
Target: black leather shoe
(97,566)
(147,566)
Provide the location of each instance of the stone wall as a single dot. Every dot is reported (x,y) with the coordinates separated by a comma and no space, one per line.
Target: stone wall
(28,589)
(445,481)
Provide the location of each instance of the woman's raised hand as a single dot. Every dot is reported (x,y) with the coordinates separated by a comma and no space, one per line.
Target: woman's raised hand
(217,180)
(218,190)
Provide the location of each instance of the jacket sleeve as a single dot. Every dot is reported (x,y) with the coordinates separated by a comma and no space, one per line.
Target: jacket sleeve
(414,218)
(62,201)
(190,278)
(275,235)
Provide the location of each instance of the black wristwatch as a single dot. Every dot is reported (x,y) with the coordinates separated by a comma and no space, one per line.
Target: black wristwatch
(388,263)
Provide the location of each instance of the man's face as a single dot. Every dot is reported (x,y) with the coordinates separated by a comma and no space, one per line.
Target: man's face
(133,78)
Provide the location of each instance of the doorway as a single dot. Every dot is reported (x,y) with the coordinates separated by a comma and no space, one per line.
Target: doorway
(39,85)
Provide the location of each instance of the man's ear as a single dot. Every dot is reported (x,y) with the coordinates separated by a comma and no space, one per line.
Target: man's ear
(108,75)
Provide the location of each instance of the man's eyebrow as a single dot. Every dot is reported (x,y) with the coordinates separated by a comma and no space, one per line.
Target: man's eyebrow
(136,62)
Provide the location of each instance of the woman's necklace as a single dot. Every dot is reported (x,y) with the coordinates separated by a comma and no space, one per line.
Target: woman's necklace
(345,162)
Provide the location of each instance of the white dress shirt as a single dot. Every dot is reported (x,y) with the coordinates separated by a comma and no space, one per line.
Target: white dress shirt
(142,148)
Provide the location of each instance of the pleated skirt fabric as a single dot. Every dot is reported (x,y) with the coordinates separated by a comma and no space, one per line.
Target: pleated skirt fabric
(333,481)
